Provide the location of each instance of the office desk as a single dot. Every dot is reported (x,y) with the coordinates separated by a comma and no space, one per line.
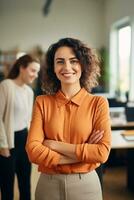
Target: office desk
(118,119)
(119,125)
(123,126)
(119,142)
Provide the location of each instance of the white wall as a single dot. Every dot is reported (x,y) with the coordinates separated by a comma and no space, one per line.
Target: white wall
(23,25)
(115,10)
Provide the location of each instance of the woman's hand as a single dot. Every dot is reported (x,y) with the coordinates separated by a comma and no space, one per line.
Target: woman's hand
(4,152)
(68,149)
(95,137)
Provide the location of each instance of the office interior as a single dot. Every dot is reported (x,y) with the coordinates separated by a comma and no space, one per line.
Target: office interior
(108,27)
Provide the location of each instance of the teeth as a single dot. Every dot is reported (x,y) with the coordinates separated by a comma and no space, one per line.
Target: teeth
(67,74)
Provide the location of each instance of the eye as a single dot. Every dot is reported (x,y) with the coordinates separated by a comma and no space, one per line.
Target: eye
(74,62)
(59,62)
(33,70)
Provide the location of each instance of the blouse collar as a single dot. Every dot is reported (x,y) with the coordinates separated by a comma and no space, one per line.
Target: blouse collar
(77,99)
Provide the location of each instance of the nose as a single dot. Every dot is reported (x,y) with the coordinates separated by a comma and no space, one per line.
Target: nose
(67,64)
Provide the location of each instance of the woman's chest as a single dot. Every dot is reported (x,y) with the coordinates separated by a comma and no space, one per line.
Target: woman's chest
(69,123)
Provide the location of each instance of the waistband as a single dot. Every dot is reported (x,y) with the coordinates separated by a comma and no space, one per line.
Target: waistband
(21,131)
(73,177)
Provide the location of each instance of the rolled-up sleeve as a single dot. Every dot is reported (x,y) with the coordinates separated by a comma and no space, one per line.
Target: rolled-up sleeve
(37,152)
(94,153)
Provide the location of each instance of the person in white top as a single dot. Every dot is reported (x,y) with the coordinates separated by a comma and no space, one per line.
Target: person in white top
(16,101)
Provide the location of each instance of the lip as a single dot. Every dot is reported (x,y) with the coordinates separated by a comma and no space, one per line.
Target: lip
(68,74)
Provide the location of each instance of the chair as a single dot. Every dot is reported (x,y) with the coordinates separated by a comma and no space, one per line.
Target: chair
(129,111)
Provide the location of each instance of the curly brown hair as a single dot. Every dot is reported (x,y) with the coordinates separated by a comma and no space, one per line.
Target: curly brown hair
(87,57)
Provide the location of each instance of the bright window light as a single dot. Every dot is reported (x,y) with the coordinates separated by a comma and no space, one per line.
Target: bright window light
(124,48)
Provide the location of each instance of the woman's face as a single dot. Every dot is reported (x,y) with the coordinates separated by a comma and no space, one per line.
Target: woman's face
(30,73)
(66,66)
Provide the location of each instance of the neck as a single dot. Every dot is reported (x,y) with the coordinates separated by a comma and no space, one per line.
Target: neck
(70,91)
(19,81)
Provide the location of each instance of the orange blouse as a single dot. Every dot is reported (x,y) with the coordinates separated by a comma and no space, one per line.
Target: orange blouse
(72,121)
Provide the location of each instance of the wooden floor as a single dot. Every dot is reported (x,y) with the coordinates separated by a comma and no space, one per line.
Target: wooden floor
(114,184)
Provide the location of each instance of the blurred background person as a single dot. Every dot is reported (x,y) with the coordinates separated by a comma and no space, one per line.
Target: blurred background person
(15,113)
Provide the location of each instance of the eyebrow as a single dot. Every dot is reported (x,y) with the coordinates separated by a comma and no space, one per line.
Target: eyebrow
(69,58)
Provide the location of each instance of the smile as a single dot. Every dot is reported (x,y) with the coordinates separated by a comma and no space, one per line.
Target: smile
(67,74)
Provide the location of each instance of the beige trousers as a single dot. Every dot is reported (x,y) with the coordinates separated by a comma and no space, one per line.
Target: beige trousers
(83,186)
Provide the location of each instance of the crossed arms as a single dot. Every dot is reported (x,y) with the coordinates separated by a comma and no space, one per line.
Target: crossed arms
(67,150)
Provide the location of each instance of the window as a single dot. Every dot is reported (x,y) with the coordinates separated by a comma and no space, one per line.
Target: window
(124,48)
(120,53)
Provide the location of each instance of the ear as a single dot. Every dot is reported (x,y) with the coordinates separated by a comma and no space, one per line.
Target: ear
(22,69)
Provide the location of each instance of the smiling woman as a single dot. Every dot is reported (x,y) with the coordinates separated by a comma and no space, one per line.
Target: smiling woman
(15,114)
(70,130)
